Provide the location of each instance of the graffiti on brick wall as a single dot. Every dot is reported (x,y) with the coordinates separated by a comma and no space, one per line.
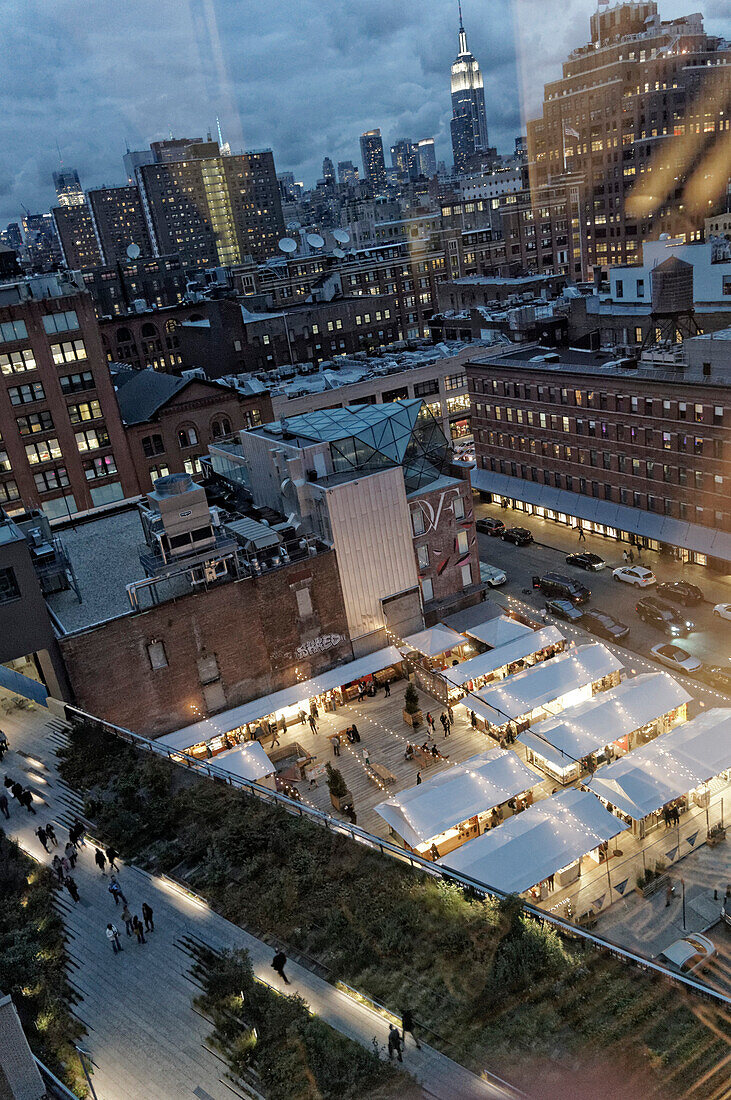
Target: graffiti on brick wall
(318,645)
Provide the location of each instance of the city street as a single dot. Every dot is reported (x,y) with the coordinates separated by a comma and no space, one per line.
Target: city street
(710,641)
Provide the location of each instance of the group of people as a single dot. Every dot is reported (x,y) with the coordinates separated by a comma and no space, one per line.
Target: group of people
(132,923)
(22,795)
(671,815)
(4,744)
(446,718)
(63,865)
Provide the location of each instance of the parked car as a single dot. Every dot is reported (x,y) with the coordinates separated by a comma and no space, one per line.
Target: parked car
(663,616)
(519,536)
(680,592)
(490,526)
(723,610)
(490,574)
(676,658)
(718,678)
(635,574)
(564,609)
(726,908)
(605,625)
(689,954)
(587,561)
(553,584)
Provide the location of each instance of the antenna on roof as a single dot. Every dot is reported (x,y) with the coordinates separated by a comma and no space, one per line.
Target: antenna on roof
(58,150)
(459,5)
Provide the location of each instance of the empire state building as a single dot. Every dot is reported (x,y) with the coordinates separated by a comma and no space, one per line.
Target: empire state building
(469,122)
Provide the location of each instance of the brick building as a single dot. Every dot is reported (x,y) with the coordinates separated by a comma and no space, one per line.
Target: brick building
(75,231)
(63,444)
(119,221)
(158,282)
(630,450)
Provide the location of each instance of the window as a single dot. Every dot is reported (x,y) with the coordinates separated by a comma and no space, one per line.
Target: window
(23,395)
(87,410)
(426,389)
(682,410)
(221,427)
(76,383)
(718,414)
(699,414)
(153,445)
(18,361)
(666,441)
(192,464)
(161,470)
(187,437)
(462,542)
(427,589)
(35,422)
(422,556)
(466,575)
(100,467)
(8,492)
(92,439)
(47,480)
(43,451)
(8,586)
(157,656)
(417,521)
(458,507)
(697,445)
(68,352)
(13,330)
(619,289)
(60,322)
(304,602)
(5,466)
(455,381)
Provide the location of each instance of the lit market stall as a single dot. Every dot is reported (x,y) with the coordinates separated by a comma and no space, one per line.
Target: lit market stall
(544,690)
(686,767)
(606,726)
(495,664)
(248,761)
(498,631)
(542,848)
(445,811)
(438,646)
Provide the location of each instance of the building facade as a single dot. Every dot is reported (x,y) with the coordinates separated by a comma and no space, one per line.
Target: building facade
(469,119)
(374,165)
(119,222)
(75,230)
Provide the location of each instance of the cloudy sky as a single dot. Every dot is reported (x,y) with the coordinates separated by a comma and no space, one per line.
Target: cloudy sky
(304,77)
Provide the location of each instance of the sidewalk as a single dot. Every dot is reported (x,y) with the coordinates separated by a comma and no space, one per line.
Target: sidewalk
(144,1036)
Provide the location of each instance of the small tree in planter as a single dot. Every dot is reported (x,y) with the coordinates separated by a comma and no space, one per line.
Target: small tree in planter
(412,710)
(337,786)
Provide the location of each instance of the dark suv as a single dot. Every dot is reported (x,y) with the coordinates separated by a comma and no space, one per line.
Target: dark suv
(663,616)
(490,526)
(519,536)
(553,584)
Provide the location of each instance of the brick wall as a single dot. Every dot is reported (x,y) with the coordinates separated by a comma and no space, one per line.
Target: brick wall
(252,628)
(441,534)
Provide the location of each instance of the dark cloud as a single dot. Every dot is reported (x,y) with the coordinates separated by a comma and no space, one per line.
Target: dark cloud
(305,77)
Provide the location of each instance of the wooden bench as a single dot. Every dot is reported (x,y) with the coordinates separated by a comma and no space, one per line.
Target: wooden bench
(383,773)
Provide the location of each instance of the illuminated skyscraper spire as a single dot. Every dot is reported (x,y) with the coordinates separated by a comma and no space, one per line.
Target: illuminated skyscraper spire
(469,121)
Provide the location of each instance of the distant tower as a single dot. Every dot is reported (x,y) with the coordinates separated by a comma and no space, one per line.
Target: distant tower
(347,172)
(371,151)
(469,120)
(328,170)
(68,187)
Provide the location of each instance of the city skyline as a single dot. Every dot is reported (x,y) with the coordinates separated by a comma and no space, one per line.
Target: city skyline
(383,67)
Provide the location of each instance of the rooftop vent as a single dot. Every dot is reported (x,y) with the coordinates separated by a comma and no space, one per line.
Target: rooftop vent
(172,484)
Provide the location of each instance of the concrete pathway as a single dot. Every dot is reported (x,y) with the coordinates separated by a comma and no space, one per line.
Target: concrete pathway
(144,1036)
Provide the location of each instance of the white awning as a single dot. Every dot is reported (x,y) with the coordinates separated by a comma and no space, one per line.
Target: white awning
(589,726)
(268,704)
(248,761)
(544,683)
(669,767)
(435,640)
(485,663)
(536,843)
(489,779)
(498,630)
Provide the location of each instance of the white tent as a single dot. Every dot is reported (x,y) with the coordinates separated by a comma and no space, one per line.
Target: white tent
(536,843)
(232,719)
(446,800)
(535,687)
(247,761)
(523,646)
(435,640)
(498,630)
(669,767)
(589,726)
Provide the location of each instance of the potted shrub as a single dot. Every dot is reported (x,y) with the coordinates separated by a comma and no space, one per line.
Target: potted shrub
(339,793)
(412,710)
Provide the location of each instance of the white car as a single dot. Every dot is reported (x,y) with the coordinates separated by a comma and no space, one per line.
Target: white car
(490,574)
(675,657)
(723,610)
(635,574)
(685,956)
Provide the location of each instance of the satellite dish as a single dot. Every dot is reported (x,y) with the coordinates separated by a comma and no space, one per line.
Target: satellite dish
(286,244)
(339,253)
(133,251)
(314,240)
(341,236)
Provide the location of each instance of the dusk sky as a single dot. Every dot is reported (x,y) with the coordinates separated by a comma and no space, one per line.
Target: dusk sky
(304,77)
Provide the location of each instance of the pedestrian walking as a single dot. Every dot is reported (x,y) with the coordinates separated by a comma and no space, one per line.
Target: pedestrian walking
(430,721)
(394,1042)
(625,555)
(631,555)
(387,689)
(51,834)
(72,887)
(473,720)
(41,834)
(275,737)
(66,866)
(278,965)
(147,917)
(669,890)
(80,832)
(313,724)
(302,716)
(4,744)
(26,799)
(450,714)
(113,937)
(127,918)
(4,804)
(57,868)
(16,789)
(112,855)
(407,1024)
(101,860)
(116,891)
(418,779)
(582,536)
(356,735)
(138,929)
(70,853)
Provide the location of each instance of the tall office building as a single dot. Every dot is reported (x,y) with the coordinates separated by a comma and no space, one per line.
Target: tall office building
(405,158)
(347,172)
(133,159)
(640,113)
(42,250)
(371,152)
(118,221)
(12,237)
(469,120)
(210,209)
(427,157)
(68,187)
(328,170)
(75,231)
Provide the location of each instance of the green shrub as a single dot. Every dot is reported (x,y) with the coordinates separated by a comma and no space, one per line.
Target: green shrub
(335,782)
(411,699)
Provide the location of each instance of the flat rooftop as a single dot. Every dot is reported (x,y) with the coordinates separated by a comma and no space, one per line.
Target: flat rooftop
(602,364)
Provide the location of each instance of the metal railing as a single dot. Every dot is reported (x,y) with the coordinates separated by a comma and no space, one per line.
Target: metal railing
(388,848)
(54,1088)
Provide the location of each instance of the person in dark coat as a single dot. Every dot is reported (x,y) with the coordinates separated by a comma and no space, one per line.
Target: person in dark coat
(70,853)
(278,965)
(116,891)
(387,689)
(147,917)
(4,805)
(473,719)
(101,860)
(41,834)
(394,1042)
(51,834)
(112,855)
(407,1024)
(72,887)
(138,929)
(25,798)
(79,832)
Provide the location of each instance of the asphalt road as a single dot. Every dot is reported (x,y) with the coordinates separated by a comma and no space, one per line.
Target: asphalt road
(710,640)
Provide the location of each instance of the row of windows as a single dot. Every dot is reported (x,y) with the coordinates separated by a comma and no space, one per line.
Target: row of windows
(42,421)
(153,445)
(576,454)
